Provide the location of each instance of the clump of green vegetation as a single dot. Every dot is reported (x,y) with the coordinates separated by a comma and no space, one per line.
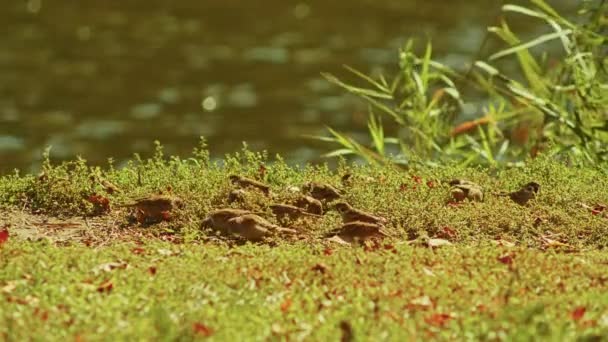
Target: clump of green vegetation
(416,202)
(552,102)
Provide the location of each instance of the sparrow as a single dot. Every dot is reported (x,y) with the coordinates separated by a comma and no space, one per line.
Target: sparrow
(463,189)
(350,214)
(310,204)
(358,230)
(109,187)
(244,224)
(291,211)
(525,194)
(217,219)
(155,208)
(244,182)
(322,192)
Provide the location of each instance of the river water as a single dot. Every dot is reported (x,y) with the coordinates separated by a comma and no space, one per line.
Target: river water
(105,79)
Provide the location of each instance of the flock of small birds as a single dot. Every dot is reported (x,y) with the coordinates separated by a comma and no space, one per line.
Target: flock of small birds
(312,202)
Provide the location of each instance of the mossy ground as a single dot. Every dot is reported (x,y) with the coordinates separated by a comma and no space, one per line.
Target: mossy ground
(109,278)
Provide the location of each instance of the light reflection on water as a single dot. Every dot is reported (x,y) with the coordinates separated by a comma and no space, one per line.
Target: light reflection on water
(106,78)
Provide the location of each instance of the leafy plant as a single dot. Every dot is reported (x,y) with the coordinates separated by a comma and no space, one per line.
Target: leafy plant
(555,104)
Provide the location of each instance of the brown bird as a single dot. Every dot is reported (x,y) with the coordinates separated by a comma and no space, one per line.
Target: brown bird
(244,182)
(291,211)
(358,230)
(108,186)
(463,189)
(218,218)
(350,214)
(244,224)
(155,208)
(322,192)
(457,181)
(310,204)
(525,194)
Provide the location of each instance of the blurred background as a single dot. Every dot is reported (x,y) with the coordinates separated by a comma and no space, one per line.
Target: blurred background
(105,79)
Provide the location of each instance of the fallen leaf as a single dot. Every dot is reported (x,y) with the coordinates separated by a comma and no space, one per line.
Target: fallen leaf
(9,287)
(110,266)
(201,329)
(138,251)
(507,259)
(152,270)
(503,243)
(105,287)
(3,235)
(578,313)
(447,233)
(286,305)
(434,243)
(428,272)
(551,243)
(430,184)
(438,319)
(337,239)
(100,203)
(420,303)
(417,179)
(328,251)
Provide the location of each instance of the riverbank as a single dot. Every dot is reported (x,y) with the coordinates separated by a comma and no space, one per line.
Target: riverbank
(83,264)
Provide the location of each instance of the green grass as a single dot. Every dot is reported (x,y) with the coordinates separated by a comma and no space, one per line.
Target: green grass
(285,290)
(259,293)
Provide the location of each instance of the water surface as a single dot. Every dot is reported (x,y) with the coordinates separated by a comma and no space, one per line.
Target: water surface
(105,79)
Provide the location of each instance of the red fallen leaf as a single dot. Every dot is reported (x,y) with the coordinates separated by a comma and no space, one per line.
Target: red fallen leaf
(438,319)
(430,184)
(447,233)
(138,250)
(507,259)
(3,236)
(578,313)
(100,204)
(391,248)
(598,209)
(44,316)
(105,287)
(403,187)
(201,329)
(286,305)
(152,270)
(328,251)
(417,179)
